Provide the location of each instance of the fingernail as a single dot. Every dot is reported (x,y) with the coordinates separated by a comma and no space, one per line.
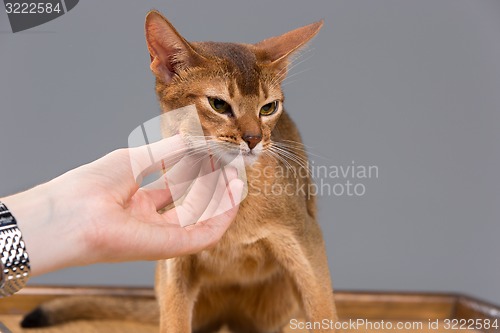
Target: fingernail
(231,173)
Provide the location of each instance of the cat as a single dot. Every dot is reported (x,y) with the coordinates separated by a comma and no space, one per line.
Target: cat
(271,265)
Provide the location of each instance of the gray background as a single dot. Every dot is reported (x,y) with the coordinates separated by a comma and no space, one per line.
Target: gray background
(410,86)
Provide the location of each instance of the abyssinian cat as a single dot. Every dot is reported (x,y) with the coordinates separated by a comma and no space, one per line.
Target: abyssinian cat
(270,266)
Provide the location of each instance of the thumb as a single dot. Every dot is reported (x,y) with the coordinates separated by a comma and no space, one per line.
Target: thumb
(207,233)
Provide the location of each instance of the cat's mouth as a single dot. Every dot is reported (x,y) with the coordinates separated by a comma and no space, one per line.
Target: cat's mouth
(228,152)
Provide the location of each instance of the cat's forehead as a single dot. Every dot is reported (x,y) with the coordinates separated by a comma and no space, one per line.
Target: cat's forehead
(238,61)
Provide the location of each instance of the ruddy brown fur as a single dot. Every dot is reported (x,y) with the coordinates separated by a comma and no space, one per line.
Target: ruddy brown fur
(271,265)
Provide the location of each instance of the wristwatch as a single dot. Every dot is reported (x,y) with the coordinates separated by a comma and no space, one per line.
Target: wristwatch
(15,264)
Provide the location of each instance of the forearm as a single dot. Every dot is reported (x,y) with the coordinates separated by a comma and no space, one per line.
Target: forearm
(50,244)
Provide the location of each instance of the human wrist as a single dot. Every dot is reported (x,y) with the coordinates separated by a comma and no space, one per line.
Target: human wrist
(49,242)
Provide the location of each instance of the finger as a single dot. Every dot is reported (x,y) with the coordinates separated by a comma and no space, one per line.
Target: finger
(221,197)
(182,175)
(164,191)
(159,197)
(198,197)
(154,241)
(153,157)
(207,233)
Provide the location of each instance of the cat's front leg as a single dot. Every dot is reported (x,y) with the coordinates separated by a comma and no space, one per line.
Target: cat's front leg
(304,258)
(176,293)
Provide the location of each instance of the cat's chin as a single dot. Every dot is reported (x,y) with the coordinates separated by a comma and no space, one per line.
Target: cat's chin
(249,158)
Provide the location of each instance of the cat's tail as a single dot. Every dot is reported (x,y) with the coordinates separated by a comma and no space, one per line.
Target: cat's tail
(60,310)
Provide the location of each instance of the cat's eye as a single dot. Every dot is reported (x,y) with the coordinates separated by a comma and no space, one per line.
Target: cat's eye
(220,105)
(269,108)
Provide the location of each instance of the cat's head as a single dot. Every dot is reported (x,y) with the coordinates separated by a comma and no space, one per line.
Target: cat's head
(236,87)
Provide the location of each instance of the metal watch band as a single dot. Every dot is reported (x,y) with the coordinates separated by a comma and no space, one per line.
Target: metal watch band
(15,265)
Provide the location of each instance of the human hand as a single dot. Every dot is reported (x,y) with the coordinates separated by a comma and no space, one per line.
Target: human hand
(98,213)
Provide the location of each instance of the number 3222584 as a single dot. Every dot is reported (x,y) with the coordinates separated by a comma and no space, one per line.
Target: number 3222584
(471,324)
(32,8)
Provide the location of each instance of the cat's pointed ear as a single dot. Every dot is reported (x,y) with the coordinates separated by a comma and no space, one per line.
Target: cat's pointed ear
(169,51)
(278,49)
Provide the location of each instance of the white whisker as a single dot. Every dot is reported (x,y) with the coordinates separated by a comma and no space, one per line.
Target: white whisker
(301,161)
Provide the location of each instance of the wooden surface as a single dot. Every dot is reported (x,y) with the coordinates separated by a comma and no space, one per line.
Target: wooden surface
(120,327)
(410,308)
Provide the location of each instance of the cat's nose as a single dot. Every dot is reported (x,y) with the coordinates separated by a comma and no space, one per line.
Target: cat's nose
(252,140)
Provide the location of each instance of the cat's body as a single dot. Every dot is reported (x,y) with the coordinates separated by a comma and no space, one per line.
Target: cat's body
(270,266)
(248,280)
